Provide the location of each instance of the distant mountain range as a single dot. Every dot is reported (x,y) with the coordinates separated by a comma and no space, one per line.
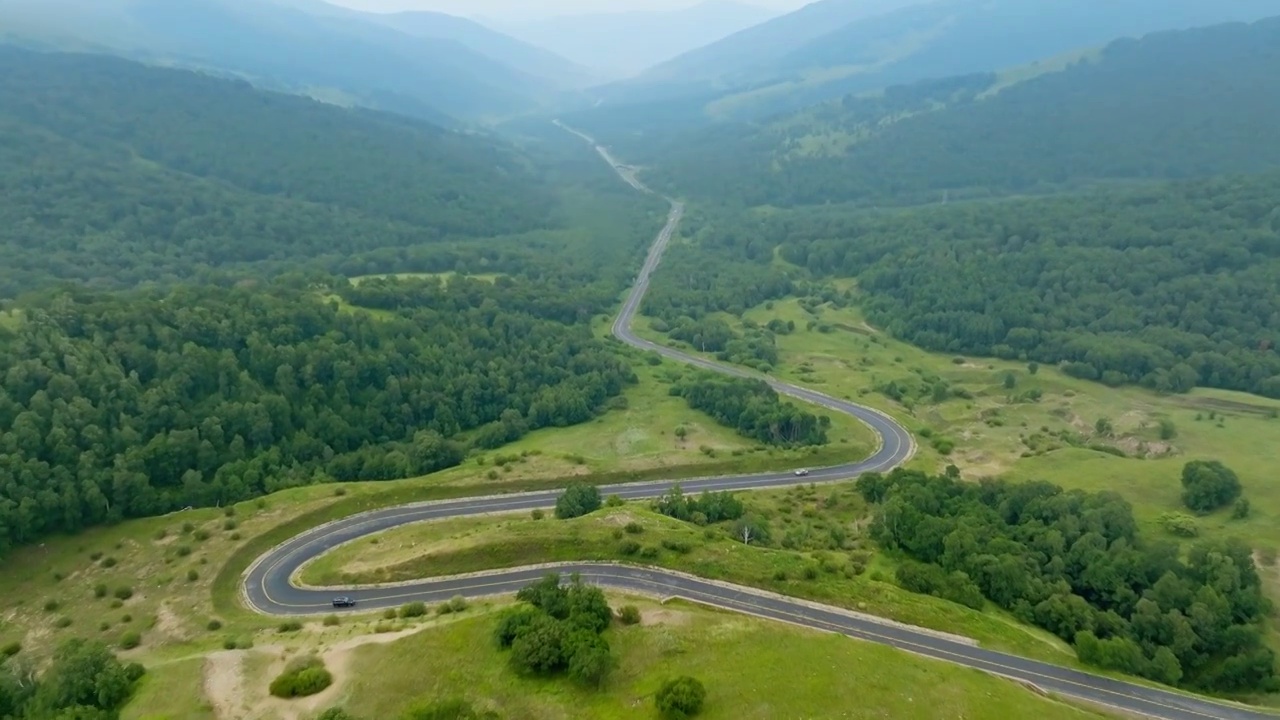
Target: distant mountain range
(1172,105)
(836,47)
(626,43)
(424,64)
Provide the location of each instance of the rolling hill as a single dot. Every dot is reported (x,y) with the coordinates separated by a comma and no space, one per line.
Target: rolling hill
(1173,105)
(837,47)
(415,65)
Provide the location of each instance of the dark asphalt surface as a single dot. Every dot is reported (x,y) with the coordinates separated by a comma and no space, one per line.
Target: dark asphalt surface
(269,589)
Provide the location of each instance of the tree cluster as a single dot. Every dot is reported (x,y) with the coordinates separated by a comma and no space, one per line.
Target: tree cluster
(1072,563)
(117,406)
(559,630)
(754,409)
(708,508)
(1209,485)
(578,499)
(84,681)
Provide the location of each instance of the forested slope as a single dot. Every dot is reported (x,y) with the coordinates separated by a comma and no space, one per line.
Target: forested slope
(1171,286)
(179,336)
(1171,105)
(115,173)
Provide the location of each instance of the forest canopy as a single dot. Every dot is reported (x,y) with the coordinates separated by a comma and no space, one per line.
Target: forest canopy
(1074,564)
(136,404)
(115,173)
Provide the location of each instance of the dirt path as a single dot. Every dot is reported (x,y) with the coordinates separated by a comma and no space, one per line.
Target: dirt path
(224,684)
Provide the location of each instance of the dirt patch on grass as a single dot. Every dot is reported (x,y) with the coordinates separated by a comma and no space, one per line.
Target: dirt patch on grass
(670,618)
(224,684)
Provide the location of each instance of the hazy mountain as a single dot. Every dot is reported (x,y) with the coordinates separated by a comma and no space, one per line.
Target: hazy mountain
(623,44)
(498,46)
(299,45)
(1172,105)
(835,47)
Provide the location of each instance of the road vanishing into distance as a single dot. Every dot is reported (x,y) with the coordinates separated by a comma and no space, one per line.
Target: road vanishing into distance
(269,584)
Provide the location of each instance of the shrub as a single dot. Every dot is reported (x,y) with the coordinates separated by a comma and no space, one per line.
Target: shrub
(192,576)
(629,615)
(335,713)
(124,592)
(130,640)
(126,618)
(413,610)
(62,622)
(11,649)
(183,550)
(229,510)
(50,605)
(615,501)
(331,620)
(108,562)
(229,524)
(289,626)
(457,603)
(680,698)
(634,528)
(678,546)
(577,500)
(100,590)
(201,535)
(649,552)
(537,514)
(630,547)
(302,677)
(389,614)
(214,625)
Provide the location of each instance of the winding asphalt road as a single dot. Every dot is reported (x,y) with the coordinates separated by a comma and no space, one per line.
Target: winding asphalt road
(269,586)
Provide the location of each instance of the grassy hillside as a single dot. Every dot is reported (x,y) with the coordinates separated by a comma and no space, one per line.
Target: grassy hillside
(1172,105)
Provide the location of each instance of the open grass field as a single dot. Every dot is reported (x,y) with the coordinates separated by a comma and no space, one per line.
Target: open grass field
(1044,426)
(382,667)
(817,553)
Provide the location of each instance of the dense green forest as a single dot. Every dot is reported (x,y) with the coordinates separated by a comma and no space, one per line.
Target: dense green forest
(1172,286)
(1169,106)
(84,681)
(1073,563)
(135,404)
(115,173)
(753,409)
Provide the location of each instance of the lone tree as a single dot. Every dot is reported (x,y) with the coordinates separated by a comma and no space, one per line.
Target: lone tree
(577,500)
(680,698)
(1208,485)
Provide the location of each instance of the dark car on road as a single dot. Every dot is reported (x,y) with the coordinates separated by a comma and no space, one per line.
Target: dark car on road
(343,602)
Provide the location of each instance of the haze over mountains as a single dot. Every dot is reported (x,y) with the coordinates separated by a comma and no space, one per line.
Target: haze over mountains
(835,47)
(425,64)
(621,44)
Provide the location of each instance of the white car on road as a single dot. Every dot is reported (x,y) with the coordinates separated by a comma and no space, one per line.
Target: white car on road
(801,472)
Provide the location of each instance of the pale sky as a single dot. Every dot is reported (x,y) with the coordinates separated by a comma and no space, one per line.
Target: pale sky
(526,9)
